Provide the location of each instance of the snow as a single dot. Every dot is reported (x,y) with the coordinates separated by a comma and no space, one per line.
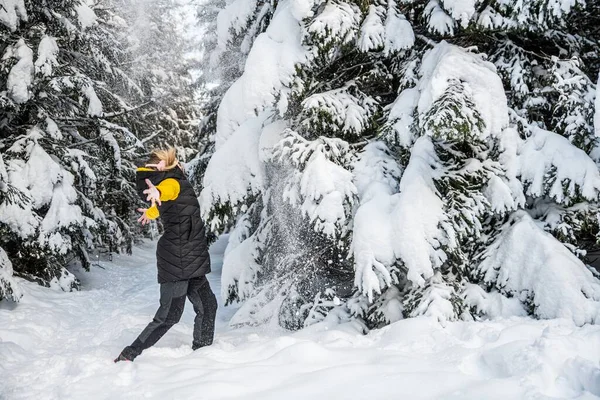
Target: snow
(460,10)
(391,225)
(446,63)
(11,11)
(42,173)
(439,22)
(385,28)
(239,266)
(44,182)
(235,169)
(232,19)
(531,265)
(57,345)
(597,108)
(492,303)
(419,213)
(269,68)
(509,142)
(372,31)
(21,74)
(53,129)
(337,21)
(398,31)
(324,188)
(62,213)
(46,60)
(319,185)
(401,116)
(85,15)
(546,153)
(349,112)
(489,18)
(376,178)
(19,218)
(108,137)
(9,288)
(95,108)
(302,9)
(3,175)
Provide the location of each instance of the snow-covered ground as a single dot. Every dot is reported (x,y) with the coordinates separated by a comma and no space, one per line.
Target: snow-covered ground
(56,345)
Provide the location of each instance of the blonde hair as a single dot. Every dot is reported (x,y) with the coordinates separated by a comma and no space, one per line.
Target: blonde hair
(169,156)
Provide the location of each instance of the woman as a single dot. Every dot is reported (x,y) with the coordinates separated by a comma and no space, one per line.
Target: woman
(182,253)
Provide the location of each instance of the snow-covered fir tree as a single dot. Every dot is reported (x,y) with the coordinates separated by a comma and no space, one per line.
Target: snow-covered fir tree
(385,159)
(79,103)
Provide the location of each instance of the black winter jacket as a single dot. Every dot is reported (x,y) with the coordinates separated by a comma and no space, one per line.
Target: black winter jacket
(182,251)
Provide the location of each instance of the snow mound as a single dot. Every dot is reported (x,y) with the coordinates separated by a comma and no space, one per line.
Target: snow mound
(68,340)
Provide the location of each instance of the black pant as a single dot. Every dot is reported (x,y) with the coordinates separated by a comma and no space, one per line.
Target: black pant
(172,301)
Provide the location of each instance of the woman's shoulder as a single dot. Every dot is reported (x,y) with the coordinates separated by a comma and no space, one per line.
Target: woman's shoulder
(175,173)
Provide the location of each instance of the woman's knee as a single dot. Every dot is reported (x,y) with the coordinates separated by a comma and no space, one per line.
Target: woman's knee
(175,311)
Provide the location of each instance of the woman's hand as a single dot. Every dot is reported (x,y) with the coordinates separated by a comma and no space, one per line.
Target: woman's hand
(144,218)
(152,192)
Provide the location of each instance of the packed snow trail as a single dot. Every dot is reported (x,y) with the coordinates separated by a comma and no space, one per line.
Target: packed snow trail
(56,345)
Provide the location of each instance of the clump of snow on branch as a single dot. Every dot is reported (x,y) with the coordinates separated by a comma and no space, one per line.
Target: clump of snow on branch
(531,265)
(95,108)
(46,59)
(21,74)
(438,20)
(419,238)
(376,179)
(85,15)
(232,19)
(401,117)
(337,22)
(385,27)
(320,186)
(597,109)
(460,10)
(235,170)
(447,63)
(270,66)
(349,109)
(574,172)
(11,12)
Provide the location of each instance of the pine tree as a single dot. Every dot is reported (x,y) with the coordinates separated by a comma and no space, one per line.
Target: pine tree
(381,170)
(444,166)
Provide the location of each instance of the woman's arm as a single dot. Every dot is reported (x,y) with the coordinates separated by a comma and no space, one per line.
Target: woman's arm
(169,189)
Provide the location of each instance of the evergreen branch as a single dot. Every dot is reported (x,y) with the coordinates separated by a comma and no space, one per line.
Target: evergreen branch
(123,112)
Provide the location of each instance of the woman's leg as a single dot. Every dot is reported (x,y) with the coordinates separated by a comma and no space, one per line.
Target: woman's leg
(205,305)
(172,301)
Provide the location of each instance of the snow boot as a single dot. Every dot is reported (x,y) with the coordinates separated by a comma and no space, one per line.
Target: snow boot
(122,358)
(125,356)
